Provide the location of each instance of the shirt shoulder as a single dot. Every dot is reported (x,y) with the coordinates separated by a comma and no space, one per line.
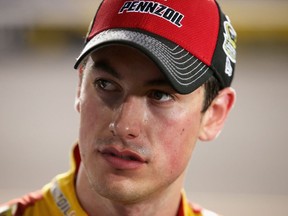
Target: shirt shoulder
(197,210)
(18,207)
(57,198)
(188,208)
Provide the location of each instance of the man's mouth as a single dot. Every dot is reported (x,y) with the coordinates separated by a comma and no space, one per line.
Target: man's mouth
(122,159)
(125,155)
(131,158)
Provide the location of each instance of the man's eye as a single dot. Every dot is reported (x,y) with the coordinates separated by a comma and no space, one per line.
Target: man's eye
(104,85)
(160,96)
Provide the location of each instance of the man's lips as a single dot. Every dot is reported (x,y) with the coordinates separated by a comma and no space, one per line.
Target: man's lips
(125,154)
(122,159)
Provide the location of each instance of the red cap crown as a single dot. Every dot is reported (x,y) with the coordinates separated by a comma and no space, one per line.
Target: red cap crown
(196,22)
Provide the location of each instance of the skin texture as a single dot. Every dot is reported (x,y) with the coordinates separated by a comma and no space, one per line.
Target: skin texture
(137,134)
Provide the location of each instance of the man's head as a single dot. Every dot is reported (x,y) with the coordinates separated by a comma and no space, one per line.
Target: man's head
(190,41)
(148,67)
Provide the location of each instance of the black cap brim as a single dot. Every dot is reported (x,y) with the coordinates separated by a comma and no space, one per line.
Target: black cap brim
(184,71)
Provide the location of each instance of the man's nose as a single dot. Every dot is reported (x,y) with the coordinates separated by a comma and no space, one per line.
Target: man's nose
(129,118)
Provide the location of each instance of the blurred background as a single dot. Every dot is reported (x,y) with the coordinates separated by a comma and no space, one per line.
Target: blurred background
(243,172)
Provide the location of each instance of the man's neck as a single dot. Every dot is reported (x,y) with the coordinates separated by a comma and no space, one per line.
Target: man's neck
(162,203)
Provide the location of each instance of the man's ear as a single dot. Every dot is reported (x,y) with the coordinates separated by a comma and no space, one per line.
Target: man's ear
(214,118)
(79,86)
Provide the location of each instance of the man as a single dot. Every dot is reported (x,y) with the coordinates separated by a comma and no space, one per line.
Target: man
(154,77)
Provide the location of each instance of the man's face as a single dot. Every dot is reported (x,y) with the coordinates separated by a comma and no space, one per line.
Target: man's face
(136,133)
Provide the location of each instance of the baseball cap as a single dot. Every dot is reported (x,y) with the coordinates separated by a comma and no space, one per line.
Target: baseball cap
(190,41)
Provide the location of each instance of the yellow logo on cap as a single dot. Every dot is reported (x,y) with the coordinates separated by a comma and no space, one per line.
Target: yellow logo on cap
(230,39)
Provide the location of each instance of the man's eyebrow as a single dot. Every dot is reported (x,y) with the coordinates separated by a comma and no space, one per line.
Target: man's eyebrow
(106,67)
